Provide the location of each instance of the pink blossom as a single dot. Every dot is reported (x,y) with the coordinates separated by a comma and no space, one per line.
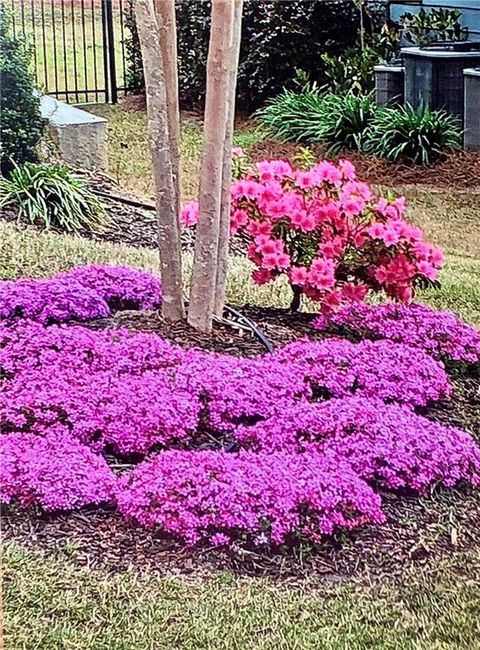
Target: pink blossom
(189,213)
(298,275)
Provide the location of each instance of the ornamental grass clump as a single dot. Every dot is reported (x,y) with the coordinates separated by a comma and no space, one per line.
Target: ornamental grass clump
(53,197)
(265,499)
(439,333)
(414,135)
(334,239)
(293,115)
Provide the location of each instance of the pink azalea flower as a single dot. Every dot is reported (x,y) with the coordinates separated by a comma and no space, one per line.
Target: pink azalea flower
(298,275)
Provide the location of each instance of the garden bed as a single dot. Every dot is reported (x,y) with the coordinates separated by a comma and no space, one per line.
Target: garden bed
(131,221)
(421,533)
(417,531)
(458,170)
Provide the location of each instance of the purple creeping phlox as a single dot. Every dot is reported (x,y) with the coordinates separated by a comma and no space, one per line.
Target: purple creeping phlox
(387,444)
(235,390)
(390,371)
(219,498)
(439,333)
(83,294)
(312,429)
(53,471)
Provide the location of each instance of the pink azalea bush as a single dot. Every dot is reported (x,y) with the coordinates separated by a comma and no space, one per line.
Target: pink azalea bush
(440,333)
(328,232)
(85,293)
(53,471)
(390,371)
(220,498)
(385,443)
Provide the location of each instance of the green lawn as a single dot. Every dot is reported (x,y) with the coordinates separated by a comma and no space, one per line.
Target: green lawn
(56,606)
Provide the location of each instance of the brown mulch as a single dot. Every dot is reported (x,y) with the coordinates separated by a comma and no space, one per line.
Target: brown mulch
(128,224)
(458,170)
(280,326)
(421,532)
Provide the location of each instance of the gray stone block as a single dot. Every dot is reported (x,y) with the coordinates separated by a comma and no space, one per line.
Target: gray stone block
(81,138)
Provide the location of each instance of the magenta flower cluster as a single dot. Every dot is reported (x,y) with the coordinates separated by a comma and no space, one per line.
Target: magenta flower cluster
(387,444)
(440,333)
(287,446)
(81,294)
(53,471)
(390,371)
(217,497)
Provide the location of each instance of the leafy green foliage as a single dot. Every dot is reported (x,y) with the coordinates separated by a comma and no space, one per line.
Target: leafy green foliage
(343,121)
(134,79)
(21,124)
(353,71)
(277,37)
(313,117)
(413,135)
(293,115)
(52,196)
(433,25)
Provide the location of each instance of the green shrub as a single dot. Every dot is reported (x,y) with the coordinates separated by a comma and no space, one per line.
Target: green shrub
(51,196)
(343,121)
(353,69)
(21,124)
(413,135)
(277,38)
(433,25)
(290,116)
(310,116)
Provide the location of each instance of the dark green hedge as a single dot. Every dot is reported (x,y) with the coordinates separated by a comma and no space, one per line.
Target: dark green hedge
(278,38)
(21,125)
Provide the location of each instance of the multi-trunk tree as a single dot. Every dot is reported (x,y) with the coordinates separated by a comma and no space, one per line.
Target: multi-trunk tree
(157,32)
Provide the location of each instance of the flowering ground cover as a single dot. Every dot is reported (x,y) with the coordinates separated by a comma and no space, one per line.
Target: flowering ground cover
(259,452)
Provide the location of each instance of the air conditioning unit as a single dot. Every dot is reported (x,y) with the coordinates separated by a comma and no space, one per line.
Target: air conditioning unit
(434,75)
(389,84)
(471,137)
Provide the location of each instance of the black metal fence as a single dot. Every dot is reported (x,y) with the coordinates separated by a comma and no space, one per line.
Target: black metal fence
(79,46)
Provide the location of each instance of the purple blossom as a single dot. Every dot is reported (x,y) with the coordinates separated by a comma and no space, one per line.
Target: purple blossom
(440,333)
(236,390)
(315,420)
(48,301)
(385,443)
(390,371)
(221,498)
(121,287)
(83,294)
(54,471)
